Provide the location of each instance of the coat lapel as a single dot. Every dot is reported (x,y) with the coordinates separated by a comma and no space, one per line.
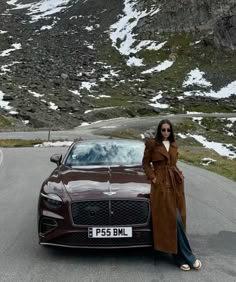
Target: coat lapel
(173,147)
(163,151)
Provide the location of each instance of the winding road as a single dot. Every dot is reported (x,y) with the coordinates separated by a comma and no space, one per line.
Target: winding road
(88,131)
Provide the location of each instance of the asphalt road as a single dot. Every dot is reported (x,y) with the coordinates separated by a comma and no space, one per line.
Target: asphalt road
(88,131)
(211,227)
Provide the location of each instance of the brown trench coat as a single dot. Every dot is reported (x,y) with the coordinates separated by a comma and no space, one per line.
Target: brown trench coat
(166,194)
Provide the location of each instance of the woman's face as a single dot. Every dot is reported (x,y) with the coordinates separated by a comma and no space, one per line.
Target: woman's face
(165,131)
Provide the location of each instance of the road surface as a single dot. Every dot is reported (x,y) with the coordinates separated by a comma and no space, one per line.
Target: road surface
(88,131)
(211,227)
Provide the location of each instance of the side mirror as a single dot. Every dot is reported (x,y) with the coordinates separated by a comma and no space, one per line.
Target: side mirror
(56,159)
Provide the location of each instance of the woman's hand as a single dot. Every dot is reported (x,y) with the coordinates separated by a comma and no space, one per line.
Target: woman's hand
(154,180)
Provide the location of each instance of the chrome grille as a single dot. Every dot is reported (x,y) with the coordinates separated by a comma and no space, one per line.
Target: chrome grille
(110,212)
(90,213)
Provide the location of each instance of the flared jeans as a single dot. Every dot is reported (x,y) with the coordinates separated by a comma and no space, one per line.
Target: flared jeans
(184,255)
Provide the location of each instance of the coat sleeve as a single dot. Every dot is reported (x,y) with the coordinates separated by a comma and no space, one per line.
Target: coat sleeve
(147,159)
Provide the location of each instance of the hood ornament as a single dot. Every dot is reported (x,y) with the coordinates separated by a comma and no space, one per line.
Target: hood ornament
(109,193)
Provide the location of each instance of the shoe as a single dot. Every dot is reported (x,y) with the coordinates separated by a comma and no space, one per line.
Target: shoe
(185,267)
(197,264)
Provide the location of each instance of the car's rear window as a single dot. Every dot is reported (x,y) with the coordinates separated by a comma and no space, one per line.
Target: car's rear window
(105,153)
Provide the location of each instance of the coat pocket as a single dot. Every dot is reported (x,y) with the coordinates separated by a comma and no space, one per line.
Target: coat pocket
(179,178)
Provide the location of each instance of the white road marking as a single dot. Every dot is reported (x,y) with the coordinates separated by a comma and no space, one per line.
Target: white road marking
(1,157)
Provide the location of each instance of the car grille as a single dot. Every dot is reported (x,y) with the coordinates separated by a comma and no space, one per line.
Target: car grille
(110,212)
(82,239)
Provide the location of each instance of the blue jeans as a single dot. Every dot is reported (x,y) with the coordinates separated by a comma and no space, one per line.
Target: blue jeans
(184,255)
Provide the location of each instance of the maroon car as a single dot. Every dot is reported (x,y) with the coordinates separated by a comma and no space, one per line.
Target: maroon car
(97,197)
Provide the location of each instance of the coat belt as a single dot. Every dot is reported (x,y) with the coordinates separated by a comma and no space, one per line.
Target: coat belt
(172,174)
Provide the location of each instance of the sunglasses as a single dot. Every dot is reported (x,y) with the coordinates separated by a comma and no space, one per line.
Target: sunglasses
(165,129)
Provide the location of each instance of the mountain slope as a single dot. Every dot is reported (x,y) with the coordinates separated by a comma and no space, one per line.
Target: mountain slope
(67,62)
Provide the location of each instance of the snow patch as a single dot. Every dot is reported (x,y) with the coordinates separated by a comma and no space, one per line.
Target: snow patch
(13,113)
(91,47)
(110,75)
(133,61)
(155,46)
(122,31)
(89,28)
(46,27)
(194,113)
(163,66)
(224,92)
(42,8)
(182,136)
(233,119)
(104,96)
(4,104)
(156,104)
(221,149)
(88,85)
(53,106)
(196,77)
(55,144)
(6,68)
(76,92)
(16,46)
(35,94)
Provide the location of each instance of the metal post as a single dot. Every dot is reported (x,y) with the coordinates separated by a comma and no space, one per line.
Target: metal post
(49,132)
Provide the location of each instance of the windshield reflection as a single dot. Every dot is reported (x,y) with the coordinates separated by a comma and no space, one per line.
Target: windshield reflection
(110,153)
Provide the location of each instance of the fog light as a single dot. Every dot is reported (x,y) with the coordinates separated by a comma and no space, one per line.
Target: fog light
(47,225)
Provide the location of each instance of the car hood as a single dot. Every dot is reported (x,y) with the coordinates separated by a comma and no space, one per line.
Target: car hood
(105,182)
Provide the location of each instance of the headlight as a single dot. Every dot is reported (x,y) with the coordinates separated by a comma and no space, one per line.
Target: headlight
(52,201)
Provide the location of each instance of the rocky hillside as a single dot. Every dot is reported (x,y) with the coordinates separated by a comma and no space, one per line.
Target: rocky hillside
(214,16)
(65,62)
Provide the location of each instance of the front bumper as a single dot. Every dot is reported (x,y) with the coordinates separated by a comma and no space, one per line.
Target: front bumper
(58,229)
(55,232)
(79,239)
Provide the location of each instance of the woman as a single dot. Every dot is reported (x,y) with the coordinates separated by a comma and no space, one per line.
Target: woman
(167,197)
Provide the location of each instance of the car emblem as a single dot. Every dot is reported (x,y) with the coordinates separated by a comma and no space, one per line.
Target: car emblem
(109,193)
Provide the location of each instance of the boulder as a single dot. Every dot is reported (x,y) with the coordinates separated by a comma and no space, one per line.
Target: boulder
(225,32)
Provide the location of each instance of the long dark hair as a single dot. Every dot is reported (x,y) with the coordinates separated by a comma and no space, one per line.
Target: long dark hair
(159,136)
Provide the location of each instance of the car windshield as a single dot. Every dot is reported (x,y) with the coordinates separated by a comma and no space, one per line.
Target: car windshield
(106,154)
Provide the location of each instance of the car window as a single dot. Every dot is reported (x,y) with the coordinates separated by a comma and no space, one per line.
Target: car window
(110,153)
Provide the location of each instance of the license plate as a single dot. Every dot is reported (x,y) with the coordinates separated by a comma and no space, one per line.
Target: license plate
(110,232)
